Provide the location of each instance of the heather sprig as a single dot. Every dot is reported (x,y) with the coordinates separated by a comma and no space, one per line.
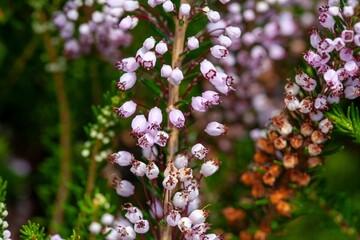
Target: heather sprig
(174,63)
(296,138)
(273,38)
(84,25)
(4,233)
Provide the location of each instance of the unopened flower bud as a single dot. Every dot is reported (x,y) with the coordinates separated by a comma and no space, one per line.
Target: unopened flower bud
(149,43)
(168,6)
(306,129)
(290,160)
(161,48)
(348,11)
(130,5)
(181,161)
(94,227)
(125,188)
(193,43)
(224,41)
(296,141)
(97,17)
(280,143)
(314,149)
(215,129)
(129,22)
(233,32)
(185,9)
(334,10)
(107,219)
(318,137)
(325,125)
(176,76)
(357,27)
(166,71)
(213,16)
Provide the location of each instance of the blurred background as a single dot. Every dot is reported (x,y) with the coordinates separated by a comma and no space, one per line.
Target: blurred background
(47,96)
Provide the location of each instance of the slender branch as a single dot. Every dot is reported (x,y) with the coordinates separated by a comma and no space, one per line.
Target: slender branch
(173,144)
(90,182)
(65,137)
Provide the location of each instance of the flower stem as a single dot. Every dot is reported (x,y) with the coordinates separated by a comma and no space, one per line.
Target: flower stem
(65,141)
(173,144)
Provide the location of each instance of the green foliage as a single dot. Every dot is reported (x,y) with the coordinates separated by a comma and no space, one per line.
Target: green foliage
(3,185)
(32,231)
(74,236)
(348,123)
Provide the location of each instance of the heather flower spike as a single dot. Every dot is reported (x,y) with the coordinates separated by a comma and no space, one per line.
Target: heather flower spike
(160,64)
(308,103)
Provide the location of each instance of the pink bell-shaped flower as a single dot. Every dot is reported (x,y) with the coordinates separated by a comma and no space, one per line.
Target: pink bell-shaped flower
(215,129)
(176,76)
(125,188)
(177,118)
(192,43)
(200,104)
(155,118)
(185,9)
(199,151)
(127,81)
(161,48)
(209,167)
(126,110)
(139,124)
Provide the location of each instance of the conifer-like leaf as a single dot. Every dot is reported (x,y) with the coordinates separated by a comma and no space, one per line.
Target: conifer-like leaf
(3,185)
(346,123)
(32,231)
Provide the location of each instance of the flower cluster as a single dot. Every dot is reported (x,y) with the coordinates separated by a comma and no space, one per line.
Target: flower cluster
(4,234)
(273,31)
(296,138)
(86,23)
(121,228)
(100,133)
(157,127)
